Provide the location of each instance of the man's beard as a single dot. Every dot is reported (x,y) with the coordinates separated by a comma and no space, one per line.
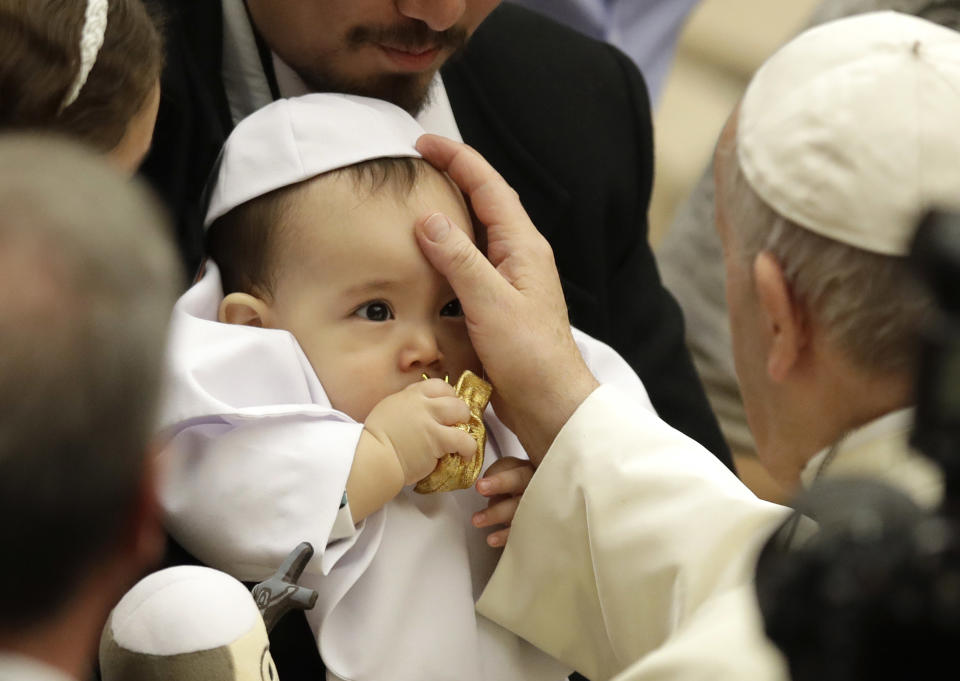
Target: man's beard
(409,91)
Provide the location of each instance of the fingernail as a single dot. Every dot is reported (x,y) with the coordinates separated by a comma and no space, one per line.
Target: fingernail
(494,541)
(483,485)
(478,518)
(436,227)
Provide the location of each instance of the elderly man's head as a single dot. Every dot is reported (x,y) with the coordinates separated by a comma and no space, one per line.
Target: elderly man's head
(388,49)
(88,281)
(844,137)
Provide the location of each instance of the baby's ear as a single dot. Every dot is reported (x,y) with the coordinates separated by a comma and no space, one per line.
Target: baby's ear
(243,309)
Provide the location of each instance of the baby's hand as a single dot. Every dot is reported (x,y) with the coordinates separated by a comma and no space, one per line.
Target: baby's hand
(417,426)
(504,484)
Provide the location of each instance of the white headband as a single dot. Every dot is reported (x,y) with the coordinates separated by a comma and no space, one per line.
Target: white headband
(91,40)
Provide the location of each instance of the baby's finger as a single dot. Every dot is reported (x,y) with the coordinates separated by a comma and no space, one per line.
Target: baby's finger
(456,441)
(498,538)
(506,463)
(449,411)
(510,481)
(497,514)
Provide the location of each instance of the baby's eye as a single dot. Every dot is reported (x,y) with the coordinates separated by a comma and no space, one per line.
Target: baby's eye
(377,311)
(452,309)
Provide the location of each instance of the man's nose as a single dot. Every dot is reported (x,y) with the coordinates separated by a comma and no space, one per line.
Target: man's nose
(437,14)
(420,350)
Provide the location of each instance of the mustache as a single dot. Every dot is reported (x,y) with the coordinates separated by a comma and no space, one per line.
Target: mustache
(412,36)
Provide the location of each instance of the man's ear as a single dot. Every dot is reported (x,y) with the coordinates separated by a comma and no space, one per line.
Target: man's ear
(243,309)
(785,318)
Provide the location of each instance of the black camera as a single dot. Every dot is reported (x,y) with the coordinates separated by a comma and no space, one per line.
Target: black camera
(936,258)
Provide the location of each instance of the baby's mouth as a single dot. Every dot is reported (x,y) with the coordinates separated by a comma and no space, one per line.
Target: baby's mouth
(426,377)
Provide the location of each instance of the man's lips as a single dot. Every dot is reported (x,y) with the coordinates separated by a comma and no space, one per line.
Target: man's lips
(411,58)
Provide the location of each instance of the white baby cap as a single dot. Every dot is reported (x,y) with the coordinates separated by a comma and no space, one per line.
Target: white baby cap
(292,140)
(852,129)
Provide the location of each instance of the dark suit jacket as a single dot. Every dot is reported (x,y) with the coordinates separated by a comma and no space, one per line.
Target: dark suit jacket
(564,118)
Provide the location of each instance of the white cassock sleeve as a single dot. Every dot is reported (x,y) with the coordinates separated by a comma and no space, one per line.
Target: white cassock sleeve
(626,531)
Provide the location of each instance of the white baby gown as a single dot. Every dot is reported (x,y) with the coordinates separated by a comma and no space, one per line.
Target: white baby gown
(257,461)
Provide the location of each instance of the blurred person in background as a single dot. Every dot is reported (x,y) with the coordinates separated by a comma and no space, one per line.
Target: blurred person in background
(646,30)
(89,282)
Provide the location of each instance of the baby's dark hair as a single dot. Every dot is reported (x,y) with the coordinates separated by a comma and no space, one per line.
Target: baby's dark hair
(244,242)
(40,57)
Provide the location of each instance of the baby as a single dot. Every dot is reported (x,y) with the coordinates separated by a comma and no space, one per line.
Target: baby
(296,405)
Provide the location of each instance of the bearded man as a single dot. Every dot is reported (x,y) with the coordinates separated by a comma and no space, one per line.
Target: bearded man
(565,119)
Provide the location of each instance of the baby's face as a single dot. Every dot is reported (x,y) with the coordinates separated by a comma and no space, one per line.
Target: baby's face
(352,285)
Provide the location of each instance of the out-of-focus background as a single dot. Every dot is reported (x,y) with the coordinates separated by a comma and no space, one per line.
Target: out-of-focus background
(721,45)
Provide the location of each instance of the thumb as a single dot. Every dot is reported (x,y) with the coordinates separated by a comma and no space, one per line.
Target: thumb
(456,257)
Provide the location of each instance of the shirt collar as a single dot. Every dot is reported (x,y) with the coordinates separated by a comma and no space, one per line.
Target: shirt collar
(245,83)
(248,89)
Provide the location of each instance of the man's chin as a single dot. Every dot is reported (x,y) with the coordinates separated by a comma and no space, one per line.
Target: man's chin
(409,91)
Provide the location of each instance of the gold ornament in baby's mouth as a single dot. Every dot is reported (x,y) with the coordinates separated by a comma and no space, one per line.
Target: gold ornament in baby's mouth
(452,472)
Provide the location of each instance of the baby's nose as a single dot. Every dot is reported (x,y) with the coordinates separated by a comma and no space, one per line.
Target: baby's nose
(420,351)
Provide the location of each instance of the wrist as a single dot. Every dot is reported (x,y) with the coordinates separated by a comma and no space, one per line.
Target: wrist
(536,415)
(376,476)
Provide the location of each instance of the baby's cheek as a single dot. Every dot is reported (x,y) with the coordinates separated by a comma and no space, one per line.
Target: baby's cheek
(463,357)
(354,390)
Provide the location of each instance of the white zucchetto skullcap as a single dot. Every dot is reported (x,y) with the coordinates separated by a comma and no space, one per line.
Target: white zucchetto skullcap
(852,129)
(292,140)
(183,609)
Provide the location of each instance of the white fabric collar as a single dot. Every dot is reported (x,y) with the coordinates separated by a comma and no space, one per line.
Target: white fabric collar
(248,90)
(889,425)
(881,450)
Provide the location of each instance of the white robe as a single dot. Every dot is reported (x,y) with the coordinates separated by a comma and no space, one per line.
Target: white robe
(632,553)
(258,461)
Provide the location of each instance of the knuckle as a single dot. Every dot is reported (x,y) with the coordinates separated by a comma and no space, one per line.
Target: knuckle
(464,256)
(544,247)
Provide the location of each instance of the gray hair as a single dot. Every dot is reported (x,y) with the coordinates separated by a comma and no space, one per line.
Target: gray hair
(870,304)
(89,279)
